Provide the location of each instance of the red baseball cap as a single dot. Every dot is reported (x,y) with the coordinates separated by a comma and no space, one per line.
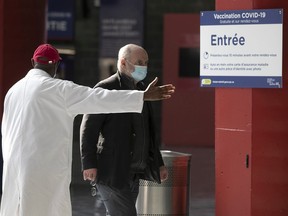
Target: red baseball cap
(46,54)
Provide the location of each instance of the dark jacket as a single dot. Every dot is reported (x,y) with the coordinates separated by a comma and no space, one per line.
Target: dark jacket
(119,153)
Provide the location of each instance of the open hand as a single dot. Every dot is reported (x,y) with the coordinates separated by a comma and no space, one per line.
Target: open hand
(154,93)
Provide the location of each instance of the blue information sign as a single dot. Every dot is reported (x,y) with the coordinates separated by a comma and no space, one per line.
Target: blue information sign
(60,24)
(121,22)
(241,48)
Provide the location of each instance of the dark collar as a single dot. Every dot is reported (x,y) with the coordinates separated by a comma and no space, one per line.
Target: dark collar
(126,81)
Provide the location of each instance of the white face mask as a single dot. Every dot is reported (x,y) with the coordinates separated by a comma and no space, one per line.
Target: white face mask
(139,73)
(55,70)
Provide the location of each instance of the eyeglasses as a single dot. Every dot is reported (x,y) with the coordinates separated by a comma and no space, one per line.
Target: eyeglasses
(93,188)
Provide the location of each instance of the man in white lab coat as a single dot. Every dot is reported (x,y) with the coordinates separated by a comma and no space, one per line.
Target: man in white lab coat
(37,129)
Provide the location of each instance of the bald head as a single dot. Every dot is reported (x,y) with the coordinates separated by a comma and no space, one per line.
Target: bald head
(130,55)
(127,50)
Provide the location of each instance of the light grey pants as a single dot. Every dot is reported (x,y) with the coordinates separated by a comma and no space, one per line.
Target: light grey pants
(120,202)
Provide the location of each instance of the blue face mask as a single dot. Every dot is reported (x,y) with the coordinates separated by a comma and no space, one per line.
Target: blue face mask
(139,73)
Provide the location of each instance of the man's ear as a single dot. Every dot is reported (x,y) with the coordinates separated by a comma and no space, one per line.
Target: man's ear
(122,64)
(123,61)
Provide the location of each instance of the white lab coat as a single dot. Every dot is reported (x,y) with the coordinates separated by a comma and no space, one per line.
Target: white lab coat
(37,129)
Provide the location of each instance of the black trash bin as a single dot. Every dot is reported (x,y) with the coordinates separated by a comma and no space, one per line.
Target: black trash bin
(171,197)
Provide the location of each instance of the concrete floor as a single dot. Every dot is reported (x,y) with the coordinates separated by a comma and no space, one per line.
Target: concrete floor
(202,187)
